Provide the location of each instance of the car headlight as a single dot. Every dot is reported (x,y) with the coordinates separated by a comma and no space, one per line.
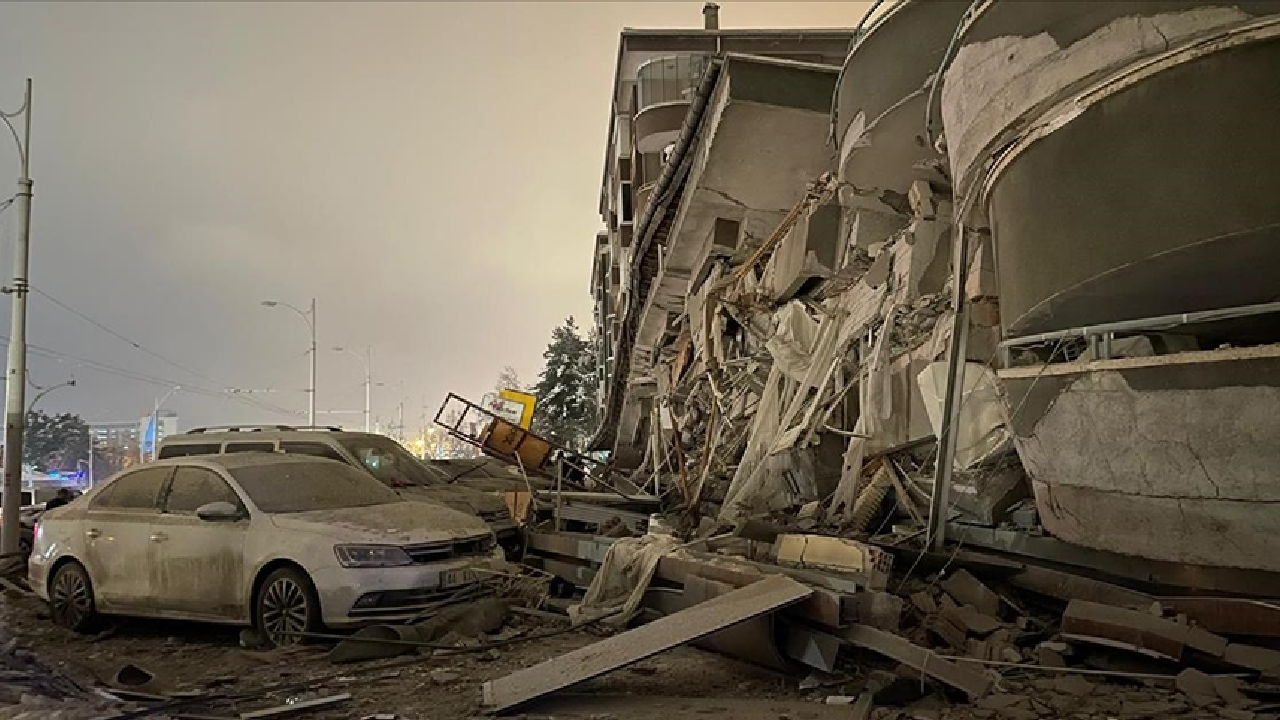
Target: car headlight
(365,556)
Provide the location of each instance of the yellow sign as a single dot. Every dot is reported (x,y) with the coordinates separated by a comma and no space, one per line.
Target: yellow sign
(528,401)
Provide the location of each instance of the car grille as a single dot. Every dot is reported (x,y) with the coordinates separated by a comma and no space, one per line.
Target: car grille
(449,550)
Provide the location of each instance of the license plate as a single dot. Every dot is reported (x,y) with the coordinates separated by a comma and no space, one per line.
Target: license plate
(454,578)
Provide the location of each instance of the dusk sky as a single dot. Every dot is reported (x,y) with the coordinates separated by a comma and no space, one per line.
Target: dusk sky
(428,172)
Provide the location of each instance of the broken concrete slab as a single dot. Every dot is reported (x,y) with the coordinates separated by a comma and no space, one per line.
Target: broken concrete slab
(969,590)
(1135,630)
(972,682)
(766,595)
(1264,660)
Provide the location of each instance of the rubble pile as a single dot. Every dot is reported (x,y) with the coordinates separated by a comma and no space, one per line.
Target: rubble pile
(29,690)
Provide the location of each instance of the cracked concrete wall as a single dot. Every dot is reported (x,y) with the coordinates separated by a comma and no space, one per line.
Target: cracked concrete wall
(1170,457)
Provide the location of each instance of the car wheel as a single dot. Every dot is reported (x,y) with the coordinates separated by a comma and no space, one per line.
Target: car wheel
(287,606)
(24,546)
(71,598)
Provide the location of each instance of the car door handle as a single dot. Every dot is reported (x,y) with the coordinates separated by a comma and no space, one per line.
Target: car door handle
(159,537)
(93,534)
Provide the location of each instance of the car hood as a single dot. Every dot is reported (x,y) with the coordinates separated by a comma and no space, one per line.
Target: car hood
(402,523)
(462,499)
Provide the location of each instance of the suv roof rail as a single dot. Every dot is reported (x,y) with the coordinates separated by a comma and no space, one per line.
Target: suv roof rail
(257,428)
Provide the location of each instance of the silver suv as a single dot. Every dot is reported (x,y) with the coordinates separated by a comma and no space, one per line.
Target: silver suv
(378,455)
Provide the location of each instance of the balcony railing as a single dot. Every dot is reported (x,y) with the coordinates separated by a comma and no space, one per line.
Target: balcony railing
(669,79)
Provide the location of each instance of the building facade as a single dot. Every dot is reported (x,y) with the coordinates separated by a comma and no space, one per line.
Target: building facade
(663,82)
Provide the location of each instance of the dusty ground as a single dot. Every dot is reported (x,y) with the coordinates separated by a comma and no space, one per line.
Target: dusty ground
(683,684)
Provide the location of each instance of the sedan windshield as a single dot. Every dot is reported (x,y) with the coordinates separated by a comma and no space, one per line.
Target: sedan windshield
(312,485)
(388,461)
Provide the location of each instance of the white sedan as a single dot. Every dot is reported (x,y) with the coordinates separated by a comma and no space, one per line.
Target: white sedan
(286,543)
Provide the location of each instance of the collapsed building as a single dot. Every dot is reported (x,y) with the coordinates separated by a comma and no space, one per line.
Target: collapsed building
(1040,231)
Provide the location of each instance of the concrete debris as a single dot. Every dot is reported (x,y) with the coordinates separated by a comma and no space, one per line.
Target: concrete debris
(968,590)
(974,684)
(870,564)
(1136,630)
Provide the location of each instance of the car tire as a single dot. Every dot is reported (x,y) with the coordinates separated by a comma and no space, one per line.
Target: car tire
(286,605)
(71,600)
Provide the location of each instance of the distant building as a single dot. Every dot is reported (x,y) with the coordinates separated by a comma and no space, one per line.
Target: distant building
(121,440)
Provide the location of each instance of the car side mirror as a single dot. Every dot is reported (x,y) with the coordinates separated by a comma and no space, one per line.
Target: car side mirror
(220,511)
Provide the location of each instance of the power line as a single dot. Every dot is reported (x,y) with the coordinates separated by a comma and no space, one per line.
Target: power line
(142,378)
(107,369)
(132,343)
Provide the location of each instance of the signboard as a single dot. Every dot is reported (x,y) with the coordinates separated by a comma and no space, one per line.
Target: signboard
(527,403)
(509,410)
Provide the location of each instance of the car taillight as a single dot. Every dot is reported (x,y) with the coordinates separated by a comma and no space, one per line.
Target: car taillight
(35,532)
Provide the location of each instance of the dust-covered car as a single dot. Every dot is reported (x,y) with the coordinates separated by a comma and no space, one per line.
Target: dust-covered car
(286,543)
(378,455)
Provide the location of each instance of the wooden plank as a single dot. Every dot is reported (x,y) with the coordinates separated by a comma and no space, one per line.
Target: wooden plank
(972,682)
(283,710)
(767,595)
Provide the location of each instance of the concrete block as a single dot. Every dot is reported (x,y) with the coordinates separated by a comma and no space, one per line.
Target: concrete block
(836,555)
(969,590)
(880,610)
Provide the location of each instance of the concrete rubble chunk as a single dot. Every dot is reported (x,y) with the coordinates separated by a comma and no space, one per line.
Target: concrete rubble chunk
(1228,688)
(973,683)
(968,590)
(971,620)
(1074,685)
(924,602)
(1197,686)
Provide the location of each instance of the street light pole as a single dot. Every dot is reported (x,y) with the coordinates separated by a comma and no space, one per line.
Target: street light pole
(367,360)
(310,317)
(15,407)
(311,404)
(45,391)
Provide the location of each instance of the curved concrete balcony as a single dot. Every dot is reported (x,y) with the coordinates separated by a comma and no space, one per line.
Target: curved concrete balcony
(659,125)
(895,57)
(1016,58)
(1149,193)
(880,105)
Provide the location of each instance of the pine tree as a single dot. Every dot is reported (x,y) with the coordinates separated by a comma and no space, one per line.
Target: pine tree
(566,411)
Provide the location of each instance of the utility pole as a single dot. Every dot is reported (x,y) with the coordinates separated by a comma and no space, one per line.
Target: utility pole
(311,405)
(15,406)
